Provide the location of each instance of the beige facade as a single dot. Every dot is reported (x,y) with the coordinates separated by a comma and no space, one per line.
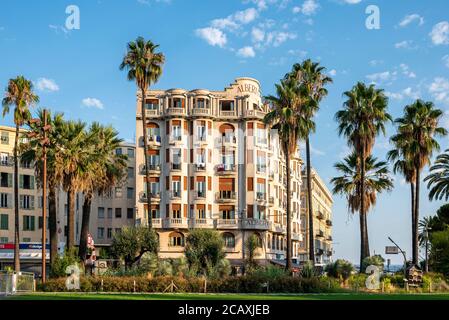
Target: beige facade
(322,223)
(214,164)
(109,213)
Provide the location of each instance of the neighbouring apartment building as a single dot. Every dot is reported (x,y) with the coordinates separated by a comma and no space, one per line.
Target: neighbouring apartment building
(109,213)
(214,164)
(322,220)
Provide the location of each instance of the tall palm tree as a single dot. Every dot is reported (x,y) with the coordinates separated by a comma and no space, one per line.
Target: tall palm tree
(71,167)
(33,151)
(19,93)
(438,179)
(417,130)
(361,120)
(105,169)
(144,66)
(311,78)
(282,118)
(349,184)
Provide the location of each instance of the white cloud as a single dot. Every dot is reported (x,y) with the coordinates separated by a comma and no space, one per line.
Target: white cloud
(276,38)
(46,85)
(406,93)
(446,60)
(406,44)
(92,103)
(246,52)
(375,62)
(440,33)
(213,36)
(352,1)
(406,71)
(381,76)
(333,72)
(224,23)
(246,16)
(58,29)
(299,53)
(257,34)
(439,89)
(411,18)
(309,7)
(296,9)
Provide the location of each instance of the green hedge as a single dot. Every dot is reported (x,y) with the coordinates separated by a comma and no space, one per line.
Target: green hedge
(243,284)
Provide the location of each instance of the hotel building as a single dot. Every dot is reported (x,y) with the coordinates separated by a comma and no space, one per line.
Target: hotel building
(214,164)
(322,220)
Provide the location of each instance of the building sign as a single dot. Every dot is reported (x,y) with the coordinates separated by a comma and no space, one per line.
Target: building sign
(391,250)
(248,88)
(23,246)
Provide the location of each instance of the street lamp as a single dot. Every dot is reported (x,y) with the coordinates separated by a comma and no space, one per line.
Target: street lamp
(43,140)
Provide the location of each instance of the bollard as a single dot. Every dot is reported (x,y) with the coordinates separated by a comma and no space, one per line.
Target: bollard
(134,286)
(101,285)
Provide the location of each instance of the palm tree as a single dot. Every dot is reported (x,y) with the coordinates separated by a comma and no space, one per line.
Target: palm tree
(438,179)
(32,151)
(19,94)
(144,66)
(349,184)
(282,118)
(362,118)
(104,170)
(424,226)
(311,79)
(71,167)
(416,137)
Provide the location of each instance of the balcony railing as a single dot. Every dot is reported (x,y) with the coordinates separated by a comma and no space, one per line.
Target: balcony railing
(176,166)
(200,194)
(201,139)
(261,196)
(154,140)
(175,111)
(174,194)
(201,223)
(296,236)
(277,227)
(223,169)
(201,111)
(329,253)
(157,223)
(176,223)
(329,238)
(152,168)
(271,200)
(155,196)
(199,167)
(228,223)
(255,114)
(320,234)
(329,223)
(225,196)
(261,168)
(319,252)
(229,140)
(7,162)
(255,224)
(320,215)
(175,139)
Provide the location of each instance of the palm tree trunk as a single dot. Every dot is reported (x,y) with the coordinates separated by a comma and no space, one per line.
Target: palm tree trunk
(52,224)
(70,218)
(364,250)
(310,204)
(85,227)
(412,187)
(416,219)
(16,204)
(288,265)
(147,164)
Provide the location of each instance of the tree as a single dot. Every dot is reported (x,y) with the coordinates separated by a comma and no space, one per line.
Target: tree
(19,93)
(311,80)
(282,118)
(416,132)
(104,170)
(376,260)
(33,151)
(144,66)
(438,179)
(132,242)
(361,120)
(71,167)
(375,180)
(204,250)
(251,246)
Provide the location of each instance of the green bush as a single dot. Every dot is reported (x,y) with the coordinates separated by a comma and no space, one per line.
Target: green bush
(340,269)
(59,266)
(376,260)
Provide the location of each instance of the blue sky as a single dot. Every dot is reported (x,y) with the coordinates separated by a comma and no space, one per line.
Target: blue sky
(209,43)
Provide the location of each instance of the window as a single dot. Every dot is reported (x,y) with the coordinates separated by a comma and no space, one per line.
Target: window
(5,137)
(109,233)
(177,159)
(4,239)
(227,105)
(109,213)
(201,187)
(176,132)
(118,151)
(176,213)
(130,213)
(176,239)
(227,213)
(26,239)
(176,188)
(118,192)
(118,212)
(201,131)
(152,104)
(130,152)
(130,173)
(130,193)
(229,240)
(5,200)
(26,202)
(4,222)
(26,181)
(6,180)
(4,159)
(100,213)
(29,223)
(100,233)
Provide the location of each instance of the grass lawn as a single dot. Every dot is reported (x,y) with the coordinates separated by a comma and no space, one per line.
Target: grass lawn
(186,296)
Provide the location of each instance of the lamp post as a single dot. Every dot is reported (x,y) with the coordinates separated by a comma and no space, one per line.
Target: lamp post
(403,254)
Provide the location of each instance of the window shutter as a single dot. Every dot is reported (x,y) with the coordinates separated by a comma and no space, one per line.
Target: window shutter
(9,180)
(167,155)
(32,182)
(31,202)
(185,184)
(191,155)
(167,127)
(20,181)
(209,183)
(192,183)
(250,213)
(33,223)
(185,210)
(250,184)
(167,183)
(210,156)
(21,201)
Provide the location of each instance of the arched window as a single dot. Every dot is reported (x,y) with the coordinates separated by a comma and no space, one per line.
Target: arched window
(259,240)
(229,240)
(227,133)
(176,239)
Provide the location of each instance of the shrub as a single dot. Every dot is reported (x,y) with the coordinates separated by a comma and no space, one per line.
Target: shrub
(340,269)
(375,260)
(308,270)
(59,266)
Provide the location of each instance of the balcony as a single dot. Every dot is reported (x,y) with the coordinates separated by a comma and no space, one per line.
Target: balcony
(174,195)
(175,111)
(200,140)
(329,223)
(261,168)
(175,139)
(175,223)
(157,223)
(296,236)
(255,224)
(255,114)
(196,223)
(201,112)
(200,194)
(225,196)
(329,253)
(261,196)
(227,223)
(154,141)
(271,175)
(319,252)
(229,114)
(153,169)
(6,162)
(329,238)
(320,215)
(271,200)
(199,167)
(155,196)
(227,141)
(226,169)
(176,166)
(320,234)
(278,228)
